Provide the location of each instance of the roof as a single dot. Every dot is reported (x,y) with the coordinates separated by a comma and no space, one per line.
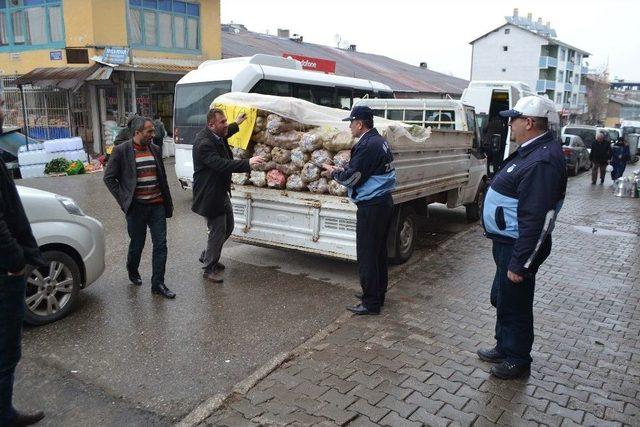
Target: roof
(400,76)
(625,102)
(61,77)
(550,40)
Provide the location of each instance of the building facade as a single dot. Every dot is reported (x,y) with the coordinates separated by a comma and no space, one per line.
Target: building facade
(125,55)
(527,51)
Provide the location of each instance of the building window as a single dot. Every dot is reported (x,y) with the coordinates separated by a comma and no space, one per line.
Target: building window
(505,48)
(507,30)
(165,24)
(31,23)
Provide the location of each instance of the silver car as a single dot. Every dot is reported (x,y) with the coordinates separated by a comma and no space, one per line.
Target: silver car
(74,245)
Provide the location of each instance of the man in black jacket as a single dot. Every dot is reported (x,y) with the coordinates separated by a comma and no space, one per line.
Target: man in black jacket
(18,248)
(213,165)
(599,156)
(136,177)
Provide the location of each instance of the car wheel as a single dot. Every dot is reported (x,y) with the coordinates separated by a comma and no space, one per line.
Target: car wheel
(52,291)
(573,170)
(406,235)
(474,210)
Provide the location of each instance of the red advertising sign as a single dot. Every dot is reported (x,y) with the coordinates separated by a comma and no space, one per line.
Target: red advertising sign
(313,64)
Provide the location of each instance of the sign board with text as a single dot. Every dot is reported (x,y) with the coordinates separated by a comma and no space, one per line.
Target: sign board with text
(55,55)
(313,64)
(115,55)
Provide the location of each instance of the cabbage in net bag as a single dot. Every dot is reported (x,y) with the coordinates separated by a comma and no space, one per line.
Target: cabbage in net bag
(295,183)
(320,157)
(258,178)
(310,172)
(336,189)
(288,169)
(341,141)
(342,158)
(240,178)
(240,154)
(288,140)
(276,179)
(281,155)
(320,186)
(299,157)
(263,150)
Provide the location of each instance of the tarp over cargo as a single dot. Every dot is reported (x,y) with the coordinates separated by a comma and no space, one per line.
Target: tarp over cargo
(305,112)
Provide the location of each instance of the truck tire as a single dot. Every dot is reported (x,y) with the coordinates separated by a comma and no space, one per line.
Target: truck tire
(51,298)
(405,229)
(474,210)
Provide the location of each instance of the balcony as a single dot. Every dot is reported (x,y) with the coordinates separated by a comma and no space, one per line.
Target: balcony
(548,62)
(545,85)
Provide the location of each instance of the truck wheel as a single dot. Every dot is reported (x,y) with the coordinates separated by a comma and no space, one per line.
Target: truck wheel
(474,210)
(406,235)
(52,291)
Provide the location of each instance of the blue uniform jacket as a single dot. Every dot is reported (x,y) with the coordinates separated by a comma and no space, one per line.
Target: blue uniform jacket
(369,173)
(524,199)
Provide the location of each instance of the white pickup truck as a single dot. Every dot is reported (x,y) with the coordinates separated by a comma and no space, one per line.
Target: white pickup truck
(448,168)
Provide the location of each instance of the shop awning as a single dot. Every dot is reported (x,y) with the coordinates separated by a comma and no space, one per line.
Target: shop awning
(64,77)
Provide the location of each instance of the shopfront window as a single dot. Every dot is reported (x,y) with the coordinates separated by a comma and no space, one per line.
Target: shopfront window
(165,24)
(35,23)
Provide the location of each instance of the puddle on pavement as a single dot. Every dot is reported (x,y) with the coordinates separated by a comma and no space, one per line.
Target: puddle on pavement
(602,231)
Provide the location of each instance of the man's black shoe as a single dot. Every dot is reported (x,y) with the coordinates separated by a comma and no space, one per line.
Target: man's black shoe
(163,290)
(219,266)
(362,310)
(509,371)
(359,296)
(135,280)
(21,420)
(491,355)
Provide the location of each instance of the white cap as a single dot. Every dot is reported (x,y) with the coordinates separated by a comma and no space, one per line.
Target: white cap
(533,106)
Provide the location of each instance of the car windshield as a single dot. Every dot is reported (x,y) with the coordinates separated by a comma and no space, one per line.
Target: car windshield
(192,101)
(587,135)
(566,141)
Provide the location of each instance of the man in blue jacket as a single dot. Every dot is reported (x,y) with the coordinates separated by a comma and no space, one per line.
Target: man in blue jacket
(370,178)
(518,215)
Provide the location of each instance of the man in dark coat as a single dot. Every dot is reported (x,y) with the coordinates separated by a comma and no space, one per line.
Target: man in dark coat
(18,248)
(213,165)
(136,177)
(599,156)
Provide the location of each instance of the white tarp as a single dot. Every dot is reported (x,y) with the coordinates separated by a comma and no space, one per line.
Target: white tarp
(316,115)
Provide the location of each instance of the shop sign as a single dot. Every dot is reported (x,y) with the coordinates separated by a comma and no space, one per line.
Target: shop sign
(313,64)
(115,55)
(55,55)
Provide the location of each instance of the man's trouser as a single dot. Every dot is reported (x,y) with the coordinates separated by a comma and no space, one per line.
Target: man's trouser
(139,217)
(374,218)
(12,293)
(514,306)
(598,167)
(220,228)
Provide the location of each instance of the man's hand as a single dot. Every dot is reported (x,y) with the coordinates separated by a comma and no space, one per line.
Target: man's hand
(256,160)
(241,118)
(328,170)
(515,278)
(18,273)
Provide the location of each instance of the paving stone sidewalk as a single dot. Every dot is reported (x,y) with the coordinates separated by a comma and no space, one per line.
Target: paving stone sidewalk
(416,363)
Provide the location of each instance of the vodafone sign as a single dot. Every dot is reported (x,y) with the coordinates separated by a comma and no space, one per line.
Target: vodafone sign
(313,64)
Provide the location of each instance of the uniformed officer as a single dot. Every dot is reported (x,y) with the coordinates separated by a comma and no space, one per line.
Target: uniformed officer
(519,211)
(370,178)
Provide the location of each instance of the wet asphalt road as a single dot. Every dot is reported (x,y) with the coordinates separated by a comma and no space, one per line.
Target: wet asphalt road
(125,356)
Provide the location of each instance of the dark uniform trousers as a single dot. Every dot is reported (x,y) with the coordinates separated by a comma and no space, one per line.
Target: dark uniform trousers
(374,218)
(514,305)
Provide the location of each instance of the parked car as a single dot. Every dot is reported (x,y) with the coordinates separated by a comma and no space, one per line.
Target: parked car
(586,133)
(74,245)
(575,153)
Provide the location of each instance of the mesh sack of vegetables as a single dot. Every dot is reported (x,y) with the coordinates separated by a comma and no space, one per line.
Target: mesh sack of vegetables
(57,165)
(239,153)
(263,150)
(288,169)
(342,158)
(276,179)
(320,186)
(295,183)
(310,172)
(341,141)
(288,140)
(266,166)
(320,157)
(240,178)
(299,157)
(337,189)
(258,178)
(281,155)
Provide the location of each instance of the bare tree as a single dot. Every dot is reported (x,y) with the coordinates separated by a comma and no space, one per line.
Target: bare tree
(597,97)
